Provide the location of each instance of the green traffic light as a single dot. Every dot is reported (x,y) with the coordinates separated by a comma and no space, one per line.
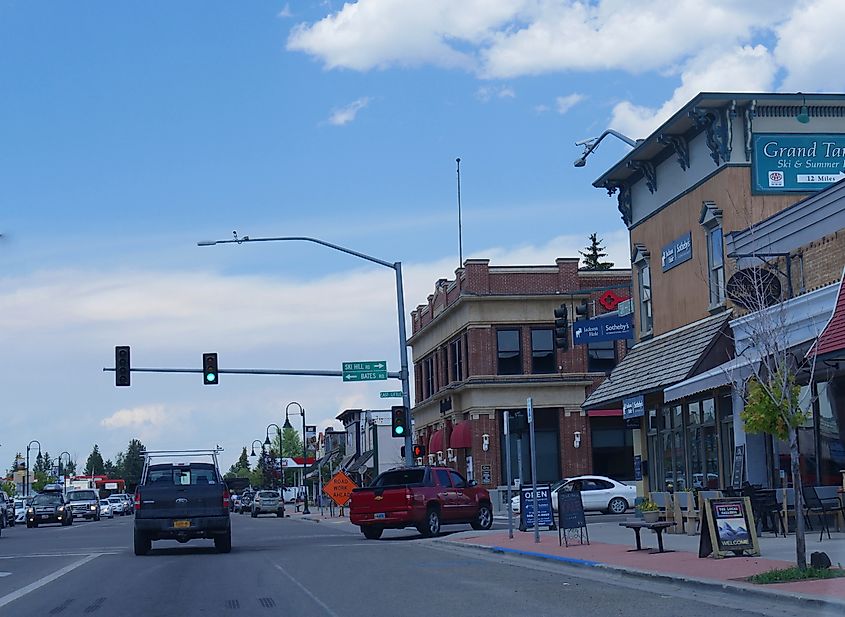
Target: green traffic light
(210,376)
(400,430)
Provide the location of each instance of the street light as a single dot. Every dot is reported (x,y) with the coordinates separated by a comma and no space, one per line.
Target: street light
(591,144)
(26,475)
(400,306)
(260,445)
(267,442)
(64,483)
(305,509)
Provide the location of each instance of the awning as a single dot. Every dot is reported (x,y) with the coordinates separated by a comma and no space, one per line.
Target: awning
(360,462)
(604,413)
(435,444)
(461,435)
(347,460)
(658,363)
(731,372)
(832,339)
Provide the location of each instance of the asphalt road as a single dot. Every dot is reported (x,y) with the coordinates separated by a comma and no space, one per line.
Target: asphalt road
(294,567)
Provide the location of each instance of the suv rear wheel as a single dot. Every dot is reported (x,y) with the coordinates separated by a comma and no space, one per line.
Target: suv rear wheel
(142,542)
(371,532)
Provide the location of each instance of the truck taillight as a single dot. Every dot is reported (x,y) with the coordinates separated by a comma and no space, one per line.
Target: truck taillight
(409,496)
(225,498)
(137,500)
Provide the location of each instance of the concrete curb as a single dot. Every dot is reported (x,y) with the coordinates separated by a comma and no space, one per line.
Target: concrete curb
(687,581)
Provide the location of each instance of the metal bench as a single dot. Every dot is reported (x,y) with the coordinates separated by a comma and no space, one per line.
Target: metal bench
(659,527)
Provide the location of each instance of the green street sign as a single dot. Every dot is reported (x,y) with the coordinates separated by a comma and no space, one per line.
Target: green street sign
(797,162)
(390,394)
(365,376)
(357,367)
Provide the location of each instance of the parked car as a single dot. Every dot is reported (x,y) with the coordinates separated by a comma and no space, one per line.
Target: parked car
(21,505)
(7,510)
(424,497)
(182,500)
(106,508)
(128,506)
(597,493)
(245,504)
(49,506)
(118,505)
(268,502)
(84,503)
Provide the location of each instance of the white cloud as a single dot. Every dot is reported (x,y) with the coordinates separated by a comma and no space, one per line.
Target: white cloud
(541,109)
(564,103)
(810,47)
(285,12)
(344,115)
(512,38)
(137,417)
(741,69)
(486,93)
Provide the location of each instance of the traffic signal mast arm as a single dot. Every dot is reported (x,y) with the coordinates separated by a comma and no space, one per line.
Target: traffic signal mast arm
(246,371)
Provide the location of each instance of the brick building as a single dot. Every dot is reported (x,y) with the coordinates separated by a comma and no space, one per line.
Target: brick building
(696,195)
(484,342)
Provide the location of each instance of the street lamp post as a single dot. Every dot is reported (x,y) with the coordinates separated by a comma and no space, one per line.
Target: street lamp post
(400,306)
(26,475)
(305,509)
(267,442)
(64,481)
(260,445)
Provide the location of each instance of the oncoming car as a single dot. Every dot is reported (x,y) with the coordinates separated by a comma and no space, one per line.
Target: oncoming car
(49,507)
(598,493)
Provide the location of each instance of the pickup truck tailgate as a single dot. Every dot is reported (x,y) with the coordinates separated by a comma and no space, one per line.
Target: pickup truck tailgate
(373,500)
(181,501)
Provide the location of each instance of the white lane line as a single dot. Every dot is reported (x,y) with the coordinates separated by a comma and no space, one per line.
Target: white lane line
(79,554)
(317,600)
(2,574)
(16,595)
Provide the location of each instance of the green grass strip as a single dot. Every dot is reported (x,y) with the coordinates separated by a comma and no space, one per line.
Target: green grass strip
(788,575)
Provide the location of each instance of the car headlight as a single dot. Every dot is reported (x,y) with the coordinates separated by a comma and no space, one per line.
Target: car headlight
(93,507)
(61,508)
(30,511)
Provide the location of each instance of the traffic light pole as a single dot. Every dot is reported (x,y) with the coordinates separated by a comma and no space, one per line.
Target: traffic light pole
(400,306)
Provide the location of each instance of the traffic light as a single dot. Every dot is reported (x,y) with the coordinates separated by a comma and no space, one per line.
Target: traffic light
(209,369)
(399,422)
(419,451)
(582,311)
(562,327)
(122,370)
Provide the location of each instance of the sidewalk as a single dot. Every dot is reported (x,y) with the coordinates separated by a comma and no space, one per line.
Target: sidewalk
(610,549)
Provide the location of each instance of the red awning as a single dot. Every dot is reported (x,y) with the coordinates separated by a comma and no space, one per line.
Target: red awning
(832,338)
(604,412)
(435,444)
(461,435)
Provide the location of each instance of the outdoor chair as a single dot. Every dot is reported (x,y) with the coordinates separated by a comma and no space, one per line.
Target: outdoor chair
(813,504)
(766,508)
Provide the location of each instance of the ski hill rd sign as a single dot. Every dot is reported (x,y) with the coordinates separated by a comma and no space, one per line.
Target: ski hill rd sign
(796,163)
(365,371)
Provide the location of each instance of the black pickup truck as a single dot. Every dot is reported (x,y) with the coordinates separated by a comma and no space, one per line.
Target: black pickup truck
(181,501)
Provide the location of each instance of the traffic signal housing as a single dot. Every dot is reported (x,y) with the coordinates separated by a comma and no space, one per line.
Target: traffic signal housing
(399,421)
(210,376)
(582,311)
(122,368)
(562,327)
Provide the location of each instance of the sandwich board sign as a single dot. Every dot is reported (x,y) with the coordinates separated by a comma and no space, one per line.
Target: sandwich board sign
(727,528)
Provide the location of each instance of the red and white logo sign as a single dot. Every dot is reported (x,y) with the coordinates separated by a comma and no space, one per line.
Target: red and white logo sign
(609,300)
(776,178)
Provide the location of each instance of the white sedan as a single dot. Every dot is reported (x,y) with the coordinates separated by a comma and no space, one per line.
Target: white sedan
(597,493)
(106,508)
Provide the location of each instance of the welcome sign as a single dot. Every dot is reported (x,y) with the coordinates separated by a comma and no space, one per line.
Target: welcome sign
(799,163)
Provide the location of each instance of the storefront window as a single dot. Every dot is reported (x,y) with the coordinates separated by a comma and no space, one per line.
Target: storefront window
(831,404)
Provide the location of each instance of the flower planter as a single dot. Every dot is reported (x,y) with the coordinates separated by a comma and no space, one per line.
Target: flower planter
(651,516)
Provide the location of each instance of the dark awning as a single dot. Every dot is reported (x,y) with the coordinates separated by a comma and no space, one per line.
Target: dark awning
(663,361)
(360,462)
(347,460)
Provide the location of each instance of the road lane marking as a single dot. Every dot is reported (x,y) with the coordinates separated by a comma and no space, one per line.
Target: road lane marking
(316,600)
(46,580)
(2,574)
(79,554)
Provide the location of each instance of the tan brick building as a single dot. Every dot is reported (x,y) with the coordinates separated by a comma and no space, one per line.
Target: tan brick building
(484,342)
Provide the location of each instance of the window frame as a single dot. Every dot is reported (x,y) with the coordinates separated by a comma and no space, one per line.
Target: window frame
(547,353)
(499,352)
(590,359)
(457,361)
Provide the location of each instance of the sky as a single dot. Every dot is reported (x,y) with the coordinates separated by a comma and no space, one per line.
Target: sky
(129,131)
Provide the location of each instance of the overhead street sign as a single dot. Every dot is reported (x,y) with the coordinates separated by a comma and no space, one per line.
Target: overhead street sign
(340,487)
(365,371)
(395,394)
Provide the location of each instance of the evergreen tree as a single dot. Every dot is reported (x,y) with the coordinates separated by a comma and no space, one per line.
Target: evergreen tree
(243,461)
(39,463)
(109,469)
(69,467)
(94,465)
(593,254)
(133,464)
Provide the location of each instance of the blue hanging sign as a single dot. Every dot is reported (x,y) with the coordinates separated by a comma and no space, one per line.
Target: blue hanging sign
(798,163)
(676,252)
(633,407)
(601,329)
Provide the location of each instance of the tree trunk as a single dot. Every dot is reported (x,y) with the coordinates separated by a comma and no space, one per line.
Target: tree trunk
(800,543)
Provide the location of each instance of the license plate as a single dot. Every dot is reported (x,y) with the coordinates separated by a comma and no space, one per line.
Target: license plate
(45,516)
(181,524)
(379,515)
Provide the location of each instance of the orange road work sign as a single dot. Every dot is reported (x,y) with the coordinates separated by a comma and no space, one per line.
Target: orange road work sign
(339,488)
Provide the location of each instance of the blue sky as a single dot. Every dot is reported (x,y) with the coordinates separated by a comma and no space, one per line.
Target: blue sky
(128,131)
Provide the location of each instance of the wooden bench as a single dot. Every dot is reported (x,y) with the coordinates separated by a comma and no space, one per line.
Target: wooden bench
(659,527)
